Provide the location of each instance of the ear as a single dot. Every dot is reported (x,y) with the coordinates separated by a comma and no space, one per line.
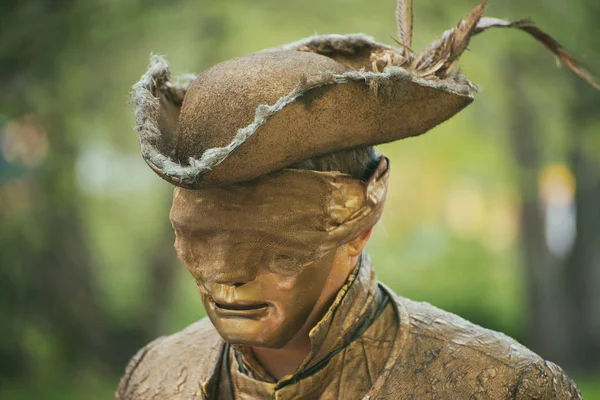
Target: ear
(356,245)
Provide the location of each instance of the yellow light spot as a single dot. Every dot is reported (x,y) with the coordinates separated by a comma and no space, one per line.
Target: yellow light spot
(557,185)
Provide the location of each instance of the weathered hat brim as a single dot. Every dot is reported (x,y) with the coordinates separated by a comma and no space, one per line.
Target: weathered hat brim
(323,113)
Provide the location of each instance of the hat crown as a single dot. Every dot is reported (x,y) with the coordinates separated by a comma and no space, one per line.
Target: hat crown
(225,97)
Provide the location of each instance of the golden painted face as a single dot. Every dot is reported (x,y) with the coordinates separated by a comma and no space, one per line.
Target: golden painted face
(246,301)
(261,252)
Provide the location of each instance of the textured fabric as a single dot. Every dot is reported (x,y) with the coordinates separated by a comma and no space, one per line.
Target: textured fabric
(180,366)
(433,354)
(294,216)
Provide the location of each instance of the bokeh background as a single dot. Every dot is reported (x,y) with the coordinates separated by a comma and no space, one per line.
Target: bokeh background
(494,215)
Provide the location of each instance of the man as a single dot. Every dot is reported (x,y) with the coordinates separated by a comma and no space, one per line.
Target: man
(277,190)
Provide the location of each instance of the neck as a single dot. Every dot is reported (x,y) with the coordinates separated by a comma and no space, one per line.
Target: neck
(284,361)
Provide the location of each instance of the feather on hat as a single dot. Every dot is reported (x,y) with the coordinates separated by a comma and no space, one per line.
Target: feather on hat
(252,115)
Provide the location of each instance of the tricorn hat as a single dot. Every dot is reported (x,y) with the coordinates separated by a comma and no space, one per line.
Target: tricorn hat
(255,114)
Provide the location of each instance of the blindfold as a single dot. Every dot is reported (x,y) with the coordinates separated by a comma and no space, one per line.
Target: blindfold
(294,216)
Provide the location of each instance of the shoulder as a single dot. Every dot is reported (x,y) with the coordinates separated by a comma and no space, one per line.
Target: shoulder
(546,380)
(431,324)
(443,350)
(165,365)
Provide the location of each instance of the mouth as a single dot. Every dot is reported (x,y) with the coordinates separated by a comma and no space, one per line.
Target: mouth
(253,311)
(240,307)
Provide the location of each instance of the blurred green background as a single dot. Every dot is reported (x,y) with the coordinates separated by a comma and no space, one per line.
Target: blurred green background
(494,215)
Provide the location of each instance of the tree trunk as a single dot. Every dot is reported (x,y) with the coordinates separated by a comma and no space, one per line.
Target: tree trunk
(583,263)
(547,303)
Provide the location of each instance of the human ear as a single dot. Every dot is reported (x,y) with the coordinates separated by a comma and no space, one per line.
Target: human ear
(356,245)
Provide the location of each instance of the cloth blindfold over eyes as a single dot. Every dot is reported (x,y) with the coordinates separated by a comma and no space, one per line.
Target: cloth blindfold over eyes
(294,215)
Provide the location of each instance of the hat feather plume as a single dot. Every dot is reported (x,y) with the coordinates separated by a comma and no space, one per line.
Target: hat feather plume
(526,25)
(404,20)
(440,58)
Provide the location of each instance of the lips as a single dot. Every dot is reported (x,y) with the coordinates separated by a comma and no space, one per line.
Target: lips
(240,307)
(244,310)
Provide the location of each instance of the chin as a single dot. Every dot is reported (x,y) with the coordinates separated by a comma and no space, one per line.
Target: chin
(247,332)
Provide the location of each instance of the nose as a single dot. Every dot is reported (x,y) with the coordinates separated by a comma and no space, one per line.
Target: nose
(222,286)
(221,259)
(232,277)
(228,282)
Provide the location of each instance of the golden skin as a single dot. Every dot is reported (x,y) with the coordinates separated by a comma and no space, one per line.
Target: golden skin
(248,303)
